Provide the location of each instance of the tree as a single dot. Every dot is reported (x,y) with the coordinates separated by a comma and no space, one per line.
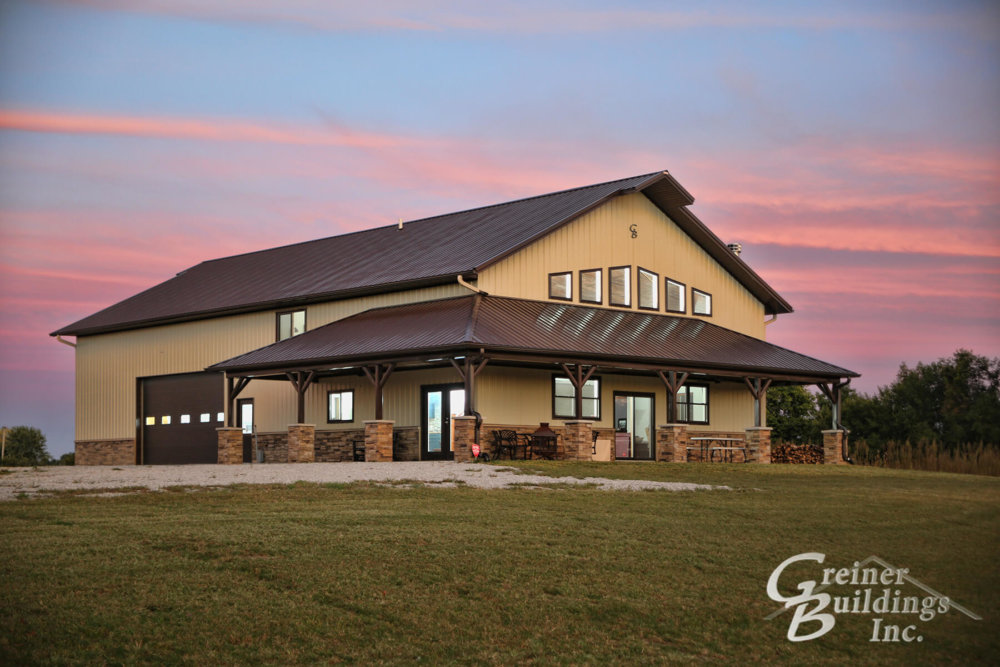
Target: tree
(25,447)
(793,415)
(952,401)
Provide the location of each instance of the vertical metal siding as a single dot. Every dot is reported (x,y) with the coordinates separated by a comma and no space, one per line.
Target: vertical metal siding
(602,239)
(107,365)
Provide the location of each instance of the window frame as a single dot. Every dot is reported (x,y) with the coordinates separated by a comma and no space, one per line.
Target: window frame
(688,403)
(569,284)
(331,392)
(600,286)
(703,293)
(666,295)
(291,324)
(638,288)
(597,399)
(628,285)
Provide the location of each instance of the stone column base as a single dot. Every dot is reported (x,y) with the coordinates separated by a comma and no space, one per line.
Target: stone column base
(578,441)
(758,440)
(672,442)
(230,445)
(833,446)
(378,440)
(301,443)
(464,436)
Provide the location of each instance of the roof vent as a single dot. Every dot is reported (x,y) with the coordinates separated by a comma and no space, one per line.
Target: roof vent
(735,248)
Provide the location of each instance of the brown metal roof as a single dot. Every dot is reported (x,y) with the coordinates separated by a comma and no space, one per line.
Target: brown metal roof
(425,252)
(559,331)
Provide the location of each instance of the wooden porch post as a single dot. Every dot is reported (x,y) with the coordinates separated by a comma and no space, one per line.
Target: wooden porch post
(232,392)
(673,383)
(833,391)
(301,381)
(578,378)
(468,371)
(377,375)
(758,388)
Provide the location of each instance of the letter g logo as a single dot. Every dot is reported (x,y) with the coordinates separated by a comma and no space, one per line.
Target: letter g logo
(801,602)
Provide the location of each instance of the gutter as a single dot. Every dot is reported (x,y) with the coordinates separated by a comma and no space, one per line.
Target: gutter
(65,342)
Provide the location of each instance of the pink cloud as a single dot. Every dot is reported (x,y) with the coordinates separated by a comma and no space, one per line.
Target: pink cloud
(198,129)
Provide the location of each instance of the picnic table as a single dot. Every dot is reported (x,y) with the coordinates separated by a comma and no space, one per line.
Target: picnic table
(725,448)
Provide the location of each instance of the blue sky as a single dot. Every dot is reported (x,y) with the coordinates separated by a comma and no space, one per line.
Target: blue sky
(853,148)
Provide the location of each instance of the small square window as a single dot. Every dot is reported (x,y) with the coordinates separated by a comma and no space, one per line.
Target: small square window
(692,404)
(649,290)
(675,297)
(590,286)
(564,398)
(206,417)
(561,286)
(220,417)
(291,323)
(701,302)
(165,420)
(340,406)
(185,419)
(150,421)
(620,286)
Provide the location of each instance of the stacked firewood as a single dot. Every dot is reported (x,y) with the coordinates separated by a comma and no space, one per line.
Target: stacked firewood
(786,453)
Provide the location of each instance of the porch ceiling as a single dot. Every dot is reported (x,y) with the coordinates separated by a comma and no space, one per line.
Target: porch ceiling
(528,333)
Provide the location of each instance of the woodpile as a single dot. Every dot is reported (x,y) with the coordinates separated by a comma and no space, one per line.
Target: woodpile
(785,453)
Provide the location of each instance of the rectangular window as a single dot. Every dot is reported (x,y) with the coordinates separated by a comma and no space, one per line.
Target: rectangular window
(701,302)
(692,404)
(590,286)
(340,406)
(649,290)
(620,286)
(675,297)
(220,417)
(561,286)
(564,398)
(291,323)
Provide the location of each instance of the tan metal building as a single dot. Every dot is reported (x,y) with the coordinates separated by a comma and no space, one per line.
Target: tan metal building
(609,312)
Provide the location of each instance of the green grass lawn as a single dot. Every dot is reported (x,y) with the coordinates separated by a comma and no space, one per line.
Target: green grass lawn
(361,573)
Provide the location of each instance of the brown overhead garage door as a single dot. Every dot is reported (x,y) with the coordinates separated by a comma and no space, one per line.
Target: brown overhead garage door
(179,416)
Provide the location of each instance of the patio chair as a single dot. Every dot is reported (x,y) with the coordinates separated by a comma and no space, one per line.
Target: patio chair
(504,442)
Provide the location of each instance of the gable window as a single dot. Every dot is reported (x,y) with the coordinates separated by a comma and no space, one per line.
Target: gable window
(620,286)
(340,406)
(692,404)
(564,398)
(649,290)
(675,297)
(561,286)
(291,323)
(590,286)
(701,302)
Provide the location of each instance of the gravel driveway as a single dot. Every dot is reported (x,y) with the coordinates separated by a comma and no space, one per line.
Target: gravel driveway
(38,481)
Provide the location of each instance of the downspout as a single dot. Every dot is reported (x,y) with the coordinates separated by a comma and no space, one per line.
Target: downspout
(774,318)
(65,342)
(463,283)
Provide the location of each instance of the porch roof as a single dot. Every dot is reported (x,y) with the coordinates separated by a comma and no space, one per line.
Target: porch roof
(532,331)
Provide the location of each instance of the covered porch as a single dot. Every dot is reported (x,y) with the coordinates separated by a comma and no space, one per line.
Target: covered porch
(591,373)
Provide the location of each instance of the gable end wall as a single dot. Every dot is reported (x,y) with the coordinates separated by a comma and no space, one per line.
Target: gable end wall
(603,238)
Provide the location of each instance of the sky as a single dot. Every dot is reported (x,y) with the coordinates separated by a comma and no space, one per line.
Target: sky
(853,148)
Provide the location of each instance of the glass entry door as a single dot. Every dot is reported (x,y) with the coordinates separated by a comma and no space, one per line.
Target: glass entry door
(244,409)
(439,403)
(634,426)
